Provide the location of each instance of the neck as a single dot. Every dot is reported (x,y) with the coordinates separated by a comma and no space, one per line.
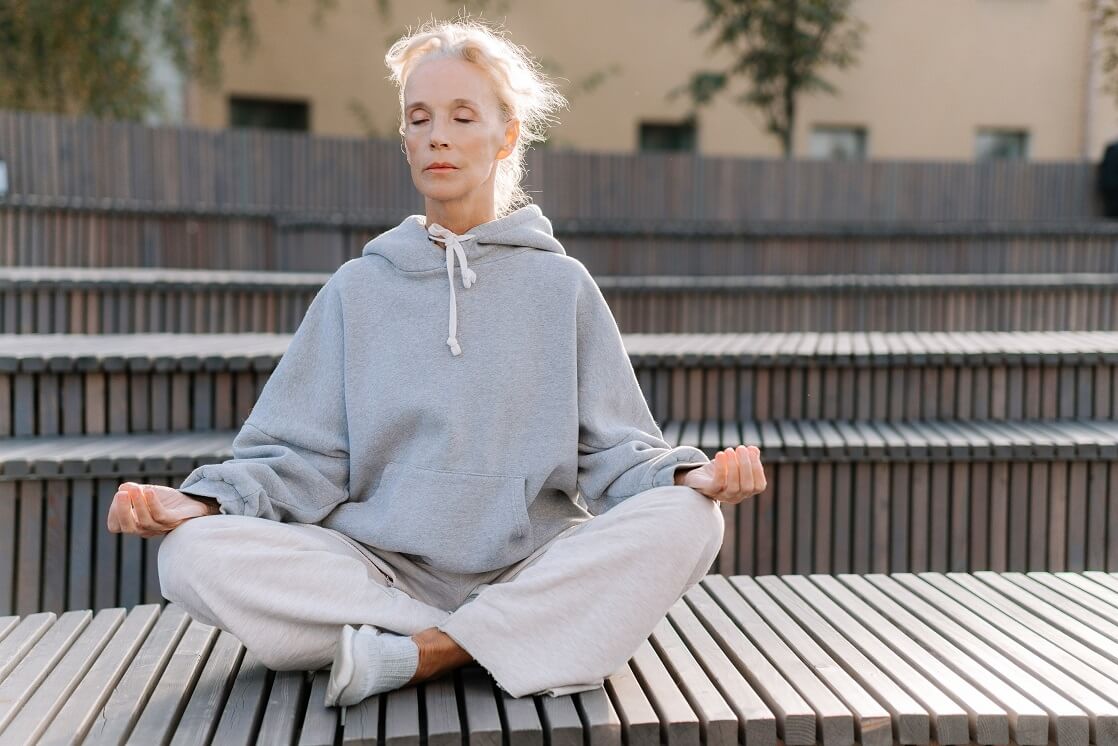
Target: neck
(458,217)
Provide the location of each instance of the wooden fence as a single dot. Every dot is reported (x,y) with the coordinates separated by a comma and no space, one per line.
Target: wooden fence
(250,169)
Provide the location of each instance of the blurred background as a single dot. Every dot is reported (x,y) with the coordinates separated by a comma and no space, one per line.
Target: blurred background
(956,80)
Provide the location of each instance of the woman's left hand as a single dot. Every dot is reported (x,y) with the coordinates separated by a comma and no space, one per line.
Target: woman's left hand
(733,475)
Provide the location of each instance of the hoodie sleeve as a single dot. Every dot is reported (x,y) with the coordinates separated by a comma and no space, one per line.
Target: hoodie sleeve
(291,457)
(621,450)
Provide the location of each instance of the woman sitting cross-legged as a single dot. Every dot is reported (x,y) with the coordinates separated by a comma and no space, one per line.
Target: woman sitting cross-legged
(453,461)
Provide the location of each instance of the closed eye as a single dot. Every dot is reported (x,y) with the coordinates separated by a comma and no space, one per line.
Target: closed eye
(457,119)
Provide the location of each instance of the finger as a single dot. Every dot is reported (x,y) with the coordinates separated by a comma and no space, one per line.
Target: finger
(759,481)
(123,516)
(718,487)
(716,477)
(745,471)
(159,513)
(112,522)
(125,512)
(733,474)
(140,500)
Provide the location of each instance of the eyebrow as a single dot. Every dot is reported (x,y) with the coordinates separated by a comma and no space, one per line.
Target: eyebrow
(456,102)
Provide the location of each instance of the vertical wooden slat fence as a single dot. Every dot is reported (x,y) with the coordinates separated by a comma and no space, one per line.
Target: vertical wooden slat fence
(89,158)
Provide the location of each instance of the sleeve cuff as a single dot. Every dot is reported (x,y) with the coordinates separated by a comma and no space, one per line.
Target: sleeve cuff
(682,456)
(229,500)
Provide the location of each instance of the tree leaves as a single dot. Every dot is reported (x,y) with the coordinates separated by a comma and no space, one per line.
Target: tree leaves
(779,47)
(95,56)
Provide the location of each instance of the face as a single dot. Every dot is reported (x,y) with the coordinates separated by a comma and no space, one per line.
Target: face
(451,115)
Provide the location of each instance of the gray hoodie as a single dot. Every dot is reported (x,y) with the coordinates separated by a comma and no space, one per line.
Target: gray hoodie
(462,405)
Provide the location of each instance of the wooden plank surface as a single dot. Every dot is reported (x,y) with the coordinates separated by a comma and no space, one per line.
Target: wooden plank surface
(734,656)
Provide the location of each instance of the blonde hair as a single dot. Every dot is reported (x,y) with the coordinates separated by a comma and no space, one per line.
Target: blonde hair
(522,90)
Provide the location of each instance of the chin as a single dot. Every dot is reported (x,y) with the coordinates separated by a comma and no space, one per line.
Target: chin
(443,195)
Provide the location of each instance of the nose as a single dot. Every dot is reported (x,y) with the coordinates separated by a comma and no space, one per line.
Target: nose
(437,140)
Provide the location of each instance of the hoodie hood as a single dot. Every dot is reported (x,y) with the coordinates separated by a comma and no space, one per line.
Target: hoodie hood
(415,247)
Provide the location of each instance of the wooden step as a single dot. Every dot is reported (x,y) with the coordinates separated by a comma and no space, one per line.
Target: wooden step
(842,496)
(73,384)
(783,441)
(824,659)
(72,231)
(56,300)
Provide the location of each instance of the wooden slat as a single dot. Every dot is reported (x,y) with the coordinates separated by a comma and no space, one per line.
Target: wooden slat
(319,722)
(639,720)
(283,715)
(603,725)
(560,721)
(246,703)
(444,726)
(480,703)
(679,723)
(401,718)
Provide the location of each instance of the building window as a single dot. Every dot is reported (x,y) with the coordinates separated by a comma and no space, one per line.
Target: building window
(268,113)
(838,143)
(667,135)
(990,144)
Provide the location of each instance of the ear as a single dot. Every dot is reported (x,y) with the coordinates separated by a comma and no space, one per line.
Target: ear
(512,133)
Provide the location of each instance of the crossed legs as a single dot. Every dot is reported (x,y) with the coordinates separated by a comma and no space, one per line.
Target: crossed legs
(558,622)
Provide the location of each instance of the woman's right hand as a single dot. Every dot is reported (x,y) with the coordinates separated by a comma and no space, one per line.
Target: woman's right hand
(152,509)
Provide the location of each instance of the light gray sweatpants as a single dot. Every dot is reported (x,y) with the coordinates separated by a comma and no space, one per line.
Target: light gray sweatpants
(559,621)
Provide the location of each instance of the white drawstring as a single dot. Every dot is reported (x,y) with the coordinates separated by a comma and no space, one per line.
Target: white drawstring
(453,244)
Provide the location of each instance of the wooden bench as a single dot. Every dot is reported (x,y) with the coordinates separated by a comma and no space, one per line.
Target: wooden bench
(957,658)
(72,384)
(79,300)
(843,496)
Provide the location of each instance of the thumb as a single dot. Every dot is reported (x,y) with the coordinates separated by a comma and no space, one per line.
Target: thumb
(700,478)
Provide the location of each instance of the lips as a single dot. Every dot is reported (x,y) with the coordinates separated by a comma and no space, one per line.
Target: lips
(435,166)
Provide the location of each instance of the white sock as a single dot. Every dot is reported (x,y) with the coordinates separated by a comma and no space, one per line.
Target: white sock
(369,661)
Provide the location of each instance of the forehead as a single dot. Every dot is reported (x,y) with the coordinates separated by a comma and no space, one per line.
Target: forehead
(447,82)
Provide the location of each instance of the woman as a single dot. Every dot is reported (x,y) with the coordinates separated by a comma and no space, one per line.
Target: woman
(396,506)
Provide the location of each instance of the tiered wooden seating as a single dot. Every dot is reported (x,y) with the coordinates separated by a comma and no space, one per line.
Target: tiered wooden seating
(73,384)
(51,300)
(878,659)
(902,433)
(843,496)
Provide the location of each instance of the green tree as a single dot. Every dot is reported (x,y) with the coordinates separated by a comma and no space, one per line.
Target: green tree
(92,57)
(779,46)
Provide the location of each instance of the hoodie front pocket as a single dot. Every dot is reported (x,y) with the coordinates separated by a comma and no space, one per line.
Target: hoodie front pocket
(456,521)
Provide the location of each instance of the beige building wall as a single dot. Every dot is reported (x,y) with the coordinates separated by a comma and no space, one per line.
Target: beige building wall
(928,76)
